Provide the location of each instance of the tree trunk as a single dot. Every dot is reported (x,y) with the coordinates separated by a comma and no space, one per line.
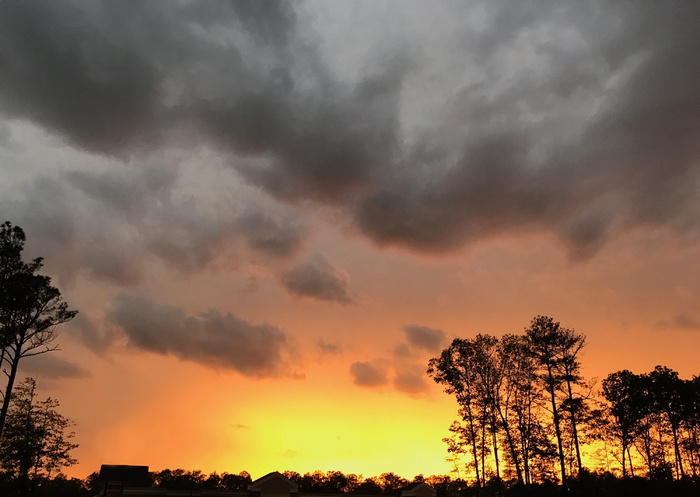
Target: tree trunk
(511,445)
(557,427)
(677,452)
(646,437)
(526,433)
(494,443)
(574,430)
(483,448)
(629,458)
(472,433)
(8,389)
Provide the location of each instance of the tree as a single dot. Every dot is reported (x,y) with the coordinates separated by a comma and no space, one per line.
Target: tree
(520,375)
(30,309)
(570,344)
(391,483)
(691,420)
(179,479)
(623,391)
(454,369)
(37,442)
(11,246)
(504,388)
(544,335)
(667,391)
(235,482)
(369,486)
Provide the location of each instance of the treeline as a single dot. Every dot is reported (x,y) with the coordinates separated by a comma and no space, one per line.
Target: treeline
(331,482)
(654,416)
(387,484)
(527,416)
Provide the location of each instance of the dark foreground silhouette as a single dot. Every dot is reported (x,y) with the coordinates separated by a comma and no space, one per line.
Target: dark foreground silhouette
(387,484)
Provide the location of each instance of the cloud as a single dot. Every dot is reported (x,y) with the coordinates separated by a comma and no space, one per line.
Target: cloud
(277,237)
(411,380)
(577,120)
(317,279)
(252,286)
(578,143)
(65,214)
(329,348)
(683,321)
(402,350)
(680,321)
(423,337)
(408,377)
(365,374)
(101,95)
(211,339)
(52,366)
(96,337)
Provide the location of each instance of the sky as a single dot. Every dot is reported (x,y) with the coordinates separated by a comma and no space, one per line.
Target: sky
(271,215)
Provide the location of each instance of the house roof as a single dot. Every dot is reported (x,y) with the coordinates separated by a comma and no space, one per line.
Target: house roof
(273,482)
(417,489)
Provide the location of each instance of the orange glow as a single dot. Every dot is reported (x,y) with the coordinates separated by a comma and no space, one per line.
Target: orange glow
(168,413)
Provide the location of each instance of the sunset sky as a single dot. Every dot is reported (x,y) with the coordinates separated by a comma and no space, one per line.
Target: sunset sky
(270,215)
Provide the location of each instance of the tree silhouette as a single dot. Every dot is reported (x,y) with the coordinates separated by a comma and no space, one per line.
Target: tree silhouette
(667,391)
(657,413)
(570,344)
(30,309)
(500,386)
(624,392)
(36,443)
(544,335)
(235,482)
(454,369)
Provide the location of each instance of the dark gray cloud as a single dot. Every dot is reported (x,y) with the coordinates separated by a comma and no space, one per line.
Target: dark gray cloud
(590,139)
(211,339)
(277,237)
(52,366)
(424,337)
(317,279)
(365,374)
(126,190)
(109,223)
(94,336)
(577,119)
(72,235)
(66,69)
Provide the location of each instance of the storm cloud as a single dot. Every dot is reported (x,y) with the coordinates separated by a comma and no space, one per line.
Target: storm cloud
(577,120)
(212,339)
(110,222)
